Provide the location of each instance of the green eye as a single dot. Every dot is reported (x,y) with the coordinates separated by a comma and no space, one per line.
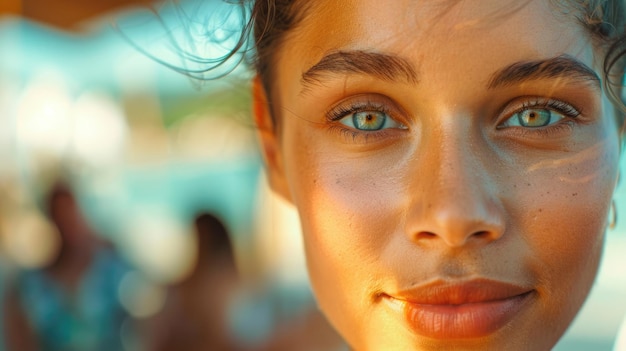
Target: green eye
(539,113)
(370,121)
(533,118)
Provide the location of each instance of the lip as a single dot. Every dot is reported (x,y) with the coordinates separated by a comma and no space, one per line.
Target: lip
(460,310)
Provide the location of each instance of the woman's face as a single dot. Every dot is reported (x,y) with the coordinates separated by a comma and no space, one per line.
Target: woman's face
(453,164)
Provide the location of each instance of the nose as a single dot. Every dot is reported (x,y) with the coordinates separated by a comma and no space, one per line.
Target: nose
(456,200)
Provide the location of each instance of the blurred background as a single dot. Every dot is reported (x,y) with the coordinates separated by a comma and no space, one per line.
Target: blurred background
(134,213)
(133,210)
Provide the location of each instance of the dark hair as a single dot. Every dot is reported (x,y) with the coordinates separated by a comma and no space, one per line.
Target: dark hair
(607,21)
(272,20)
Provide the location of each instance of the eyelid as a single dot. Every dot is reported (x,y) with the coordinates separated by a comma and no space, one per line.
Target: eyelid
(344,110)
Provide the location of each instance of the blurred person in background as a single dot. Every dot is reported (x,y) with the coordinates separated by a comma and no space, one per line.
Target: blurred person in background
(206,310)
(72,303)
(195,315)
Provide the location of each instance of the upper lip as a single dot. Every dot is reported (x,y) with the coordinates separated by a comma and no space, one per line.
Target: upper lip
(442,292)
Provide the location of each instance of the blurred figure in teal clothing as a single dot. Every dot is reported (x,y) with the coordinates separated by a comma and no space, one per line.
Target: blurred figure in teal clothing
(72,303)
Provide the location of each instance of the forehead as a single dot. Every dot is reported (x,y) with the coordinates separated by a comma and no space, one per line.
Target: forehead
(414,28)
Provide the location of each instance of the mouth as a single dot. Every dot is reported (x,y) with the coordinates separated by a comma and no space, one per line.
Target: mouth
(471,309)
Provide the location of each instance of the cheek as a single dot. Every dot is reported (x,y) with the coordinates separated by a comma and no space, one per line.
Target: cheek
(344,201)
(349,214)
(347,226)
(349,211)
(560,210)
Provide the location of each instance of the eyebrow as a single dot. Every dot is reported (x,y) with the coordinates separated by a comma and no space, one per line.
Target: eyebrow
(382,66)
(391,68)
(564,66)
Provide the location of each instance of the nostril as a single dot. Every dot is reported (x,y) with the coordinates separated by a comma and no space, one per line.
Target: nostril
(426,235)
(481,234)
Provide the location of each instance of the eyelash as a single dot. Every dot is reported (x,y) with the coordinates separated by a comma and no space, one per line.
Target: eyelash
(560,106)
(342,111)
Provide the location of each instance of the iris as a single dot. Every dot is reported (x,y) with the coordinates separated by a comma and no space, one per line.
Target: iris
(369,120)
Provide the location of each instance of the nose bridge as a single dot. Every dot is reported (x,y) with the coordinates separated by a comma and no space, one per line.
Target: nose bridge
(457,167)
(457,200)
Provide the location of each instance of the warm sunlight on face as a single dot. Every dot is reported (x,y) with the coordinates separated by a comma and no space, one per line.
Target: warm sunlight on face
(453,164)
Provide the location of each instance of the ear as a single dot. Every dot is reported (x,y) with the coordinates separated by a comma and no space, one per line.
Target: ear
(270,141)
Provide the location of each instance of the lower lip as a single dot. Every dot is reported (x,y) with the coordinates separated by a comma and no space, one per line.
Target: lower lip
(472,320)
